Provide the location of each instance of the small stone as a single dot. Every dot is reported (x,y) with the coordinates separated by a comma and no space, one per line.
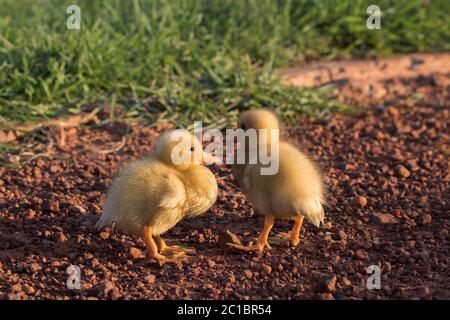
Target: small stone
(424,291)
(104,235)
(14,296)
(115,294)
(40,163)
(231,279)
(150,279)
(340,235)
(15,288)
(401,171)
(248,274)
(394,112)
(412,165)
(136,253)
(299,288)
(232,204)
(88,256)
(383,218)
(329,283)
(361,254)
(28,289)
(7,136)
(200,238)
(423,201)
(106,286)
(325,296)
(35,267)
(53,206)
(31,214)
(211,263)
(441,80)
(59,236)
(376,150)
(76,209)
(346,282)
(56,264)
(359,202)
(425,219)
(267,269)
(37,173)
(14,159)
(226,236)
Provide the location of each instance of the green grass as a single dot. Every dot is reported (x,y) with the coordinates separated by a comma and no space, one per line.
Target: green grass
(181,60)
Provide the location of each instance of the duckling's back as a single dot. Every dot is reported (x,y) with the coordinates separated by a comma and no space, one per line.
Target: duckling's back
(295,189)
(147,193)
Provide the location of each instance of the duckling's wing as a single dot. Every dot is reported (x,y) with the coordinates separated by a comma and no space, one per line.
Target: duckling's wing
(165,208)
(146,193)
(300,185)
(174,194)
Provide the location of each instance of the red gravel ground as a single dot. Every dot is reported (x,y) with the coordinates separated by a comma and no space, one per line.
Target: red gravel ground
(387,175)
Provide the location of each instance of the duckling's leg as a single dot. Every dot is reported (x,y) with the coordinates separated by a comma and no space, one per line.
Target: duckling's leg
(295,233)
(292,236)
(162,246)
(152,248)
(262,239)
(262,242)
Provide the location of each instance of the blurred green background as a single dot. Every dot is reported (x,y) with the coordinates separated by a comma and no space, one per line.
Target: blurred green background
(180,60)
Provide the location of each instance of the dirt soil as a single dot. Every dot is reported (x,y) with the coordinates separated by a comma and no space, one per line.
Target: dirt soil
(387,177)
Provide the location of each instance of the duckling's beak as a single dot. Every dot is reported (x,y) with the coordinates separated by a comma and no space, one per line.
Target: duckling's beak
(209,159)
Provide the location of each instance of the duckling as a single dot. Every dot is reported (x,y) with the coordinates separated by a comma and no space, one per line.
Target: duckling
(153,194)
(295,191)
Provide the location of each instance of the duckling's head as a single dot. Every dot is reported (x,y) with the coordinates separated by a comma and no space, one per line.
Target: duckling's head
(181,149)
(259,119)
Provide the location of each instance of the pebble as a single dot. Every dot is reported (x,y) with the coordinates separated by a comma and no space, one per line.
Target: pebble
(359,202)
(35,267)
(267,269)
(226,236)
(59,236)
(150,279)
(383,218)
(53,206)
(425,219)
(340,235)
(136,253)
(231,279)
(77,209)
(211,263)
(248,274)
(104,235)
(28,289)
(106,286)
(346,282)
(328,284)
(401,171)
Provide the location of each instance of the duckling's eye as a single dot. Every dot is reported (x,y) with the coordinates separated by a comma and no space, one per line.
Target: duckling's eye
(192,149)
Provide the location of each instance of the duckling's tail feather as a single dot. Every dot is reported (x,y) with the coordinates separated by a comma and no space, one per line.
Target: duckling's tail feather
(312,209)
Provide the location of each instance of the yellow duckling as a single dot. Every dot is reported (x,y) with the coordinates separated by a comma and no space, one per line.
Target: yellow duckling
(153,194)
(295,191)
